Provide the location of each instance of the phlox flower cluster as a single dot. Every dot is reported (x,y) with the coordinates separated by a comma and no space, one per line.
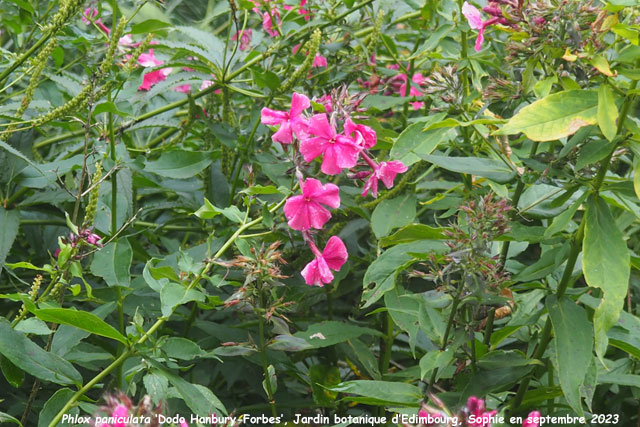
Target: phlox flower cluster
(398,84)
(316,136)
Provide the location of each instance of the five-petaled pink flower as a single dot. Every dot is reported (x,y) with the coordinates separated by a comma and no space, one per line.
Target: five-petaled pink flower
(318,271)
(291,122)
(363,135)
(385,171)
(305,211)
(339,151)
(533,419)
(475,22)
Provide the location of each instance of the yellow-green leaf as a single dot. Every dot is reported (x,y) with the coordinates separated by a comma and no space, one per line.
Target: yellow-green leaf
(555,116)
(607,112)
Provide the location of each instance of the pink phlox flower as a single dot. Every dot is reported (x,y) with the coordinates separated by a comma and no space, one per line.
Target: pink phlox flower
(363,135)
(245,38)
(291,122)
(88,16)
(301,11)
(386,172)
(531,419)
(339,151)
(93,239)
(476,407)
(268,24)
(319,61)
(125,41)
(318,271)
(183,424)
(306,211)
(474,18)
(186,88)
(153,77)
(326,102)
(120,411)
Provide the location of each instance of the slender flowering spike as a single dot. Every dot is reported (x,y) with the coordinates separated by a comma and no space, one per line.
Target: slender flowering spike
(385,171)
(318,271)
(306,211)
(291,122)
(339,151)
(533,419)
(363,135)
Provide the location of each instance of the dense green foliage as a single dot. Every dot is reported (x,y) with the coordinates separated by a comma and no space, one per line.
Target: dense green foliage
(144,249)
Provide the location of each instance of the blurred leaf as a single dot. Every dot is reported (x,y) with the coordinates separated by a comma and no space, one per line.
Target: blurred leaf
(149,26)
(330,332)
(9,225)
(393,213)
(492,169)
(13,374)
(55,403)
(380,393)
(411,233)
(322,378)
(179,164)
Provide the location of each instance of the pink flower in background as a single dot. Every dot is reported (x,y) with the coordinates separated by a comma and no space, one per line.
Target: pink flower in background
(301,11)
(363,135)
(326,102)
(291,122)
(306,211)
(88,16)
(531,419)
(386,172)
(151,78)
(474,18)
(318,271)
(339,151)
(268,24)
(476,407)
(120,411)
(125,41)
(183,88)
(319,61)
(245,38)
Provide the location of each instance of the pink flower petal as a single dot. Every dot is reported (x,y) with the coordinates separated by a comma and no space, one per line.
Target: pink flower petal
(120,411)
(335,253)
(154,77)
(273,117)
(531,419)
(299,103)
(319,61)
(479,40)
(474,18)
(388,171)
(319,125)
(311,148)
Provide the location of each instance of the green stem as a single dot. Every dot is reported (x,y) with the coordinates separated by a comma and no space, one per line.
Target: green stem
(489,327)
(514,203)
(28,54)
(131,350)
(388,344)
(263,354)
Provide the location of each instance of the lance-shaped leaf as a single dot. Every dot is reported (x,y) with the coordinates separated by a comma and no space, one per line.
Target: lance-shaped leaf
(606,264)
(555,116)
(81,320)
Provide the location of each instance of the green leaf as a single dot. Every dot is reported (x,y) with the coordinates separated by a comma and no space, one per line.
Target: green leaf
(208,211)
(54,405)
(149,26)
(33,325)
(9,225)
(330,332)
(212,45)
(112,263)
(81,320)
(607,112)
(372,392)
(32,359)
(381,102)
(492,169)
(413,232)
(555,116)
(606,264)
(561,221)
(393,213)
(13,374)
(498,370)
(435,360)
(273,380)
(383,270)
(182,348)
(23,5)
(179,164)
(6,418)
(573,346)
(415,140)
(322,378)
(175,294)
(156,386)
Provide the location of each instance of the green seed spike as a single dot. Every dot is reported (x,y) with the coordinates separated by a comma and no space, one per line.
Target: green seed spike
(314,46)
(92,206)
